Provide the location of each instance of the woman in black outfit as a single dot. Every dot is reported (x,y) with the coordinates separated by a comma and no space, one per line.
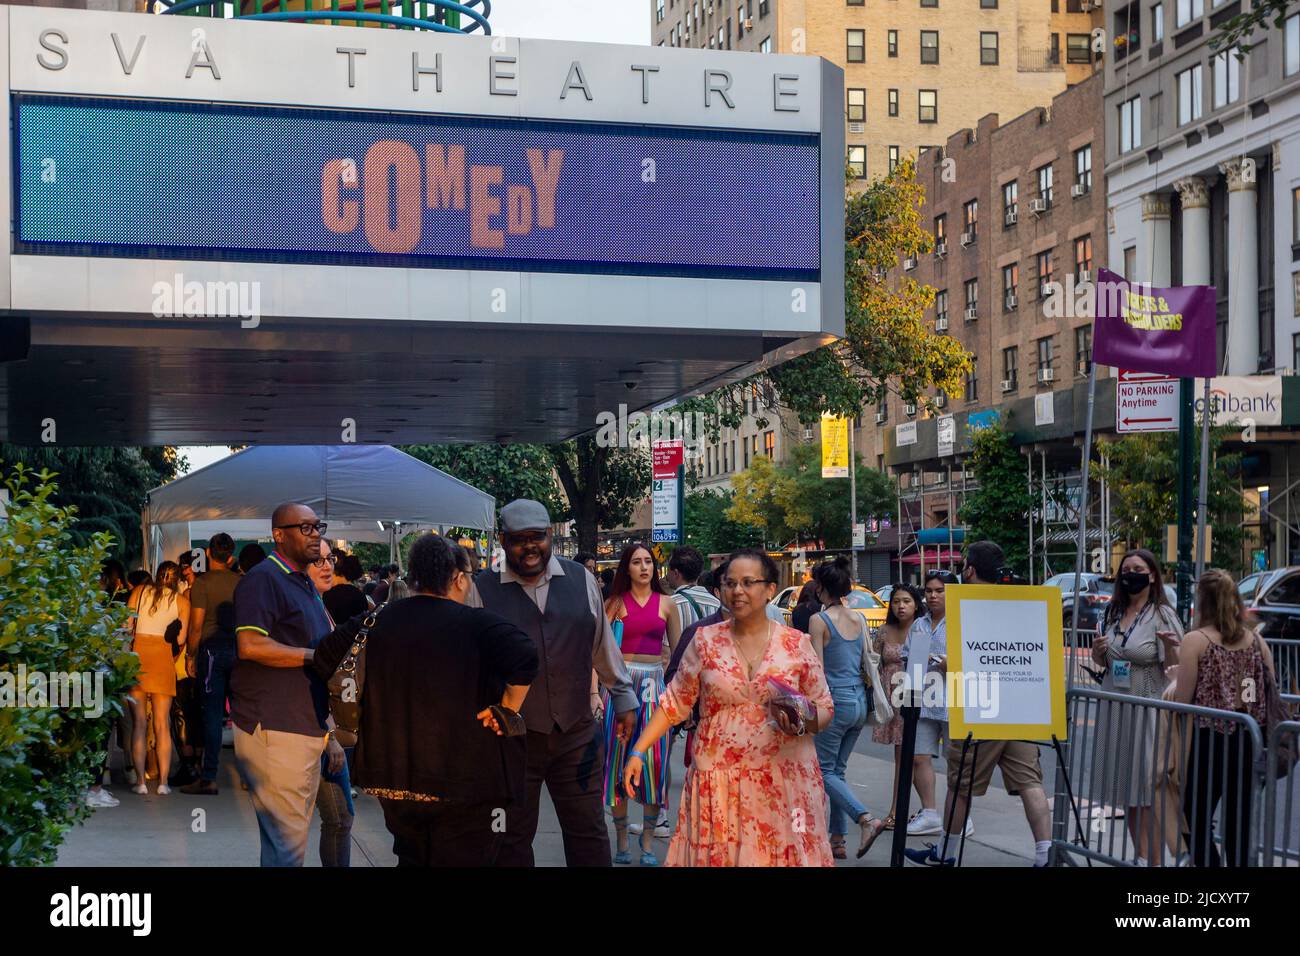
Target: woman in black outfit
(345,600)
(807,606)
(428,746)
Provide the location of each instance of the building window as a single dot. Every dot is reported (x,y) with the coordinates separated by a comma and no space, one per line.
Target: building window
(1157,23)
(929,46)
(857,43)
(1191,100)
(1054,54)
(941,229)
(1130,262)
(1044,273)
(858,162)
(1083,167)
(972,287)
(891,43)
(970,218)
(941,306)
(893,102)
(857,108)
(929,3)
(1227,77)
(1291,46)
(1044,353)
(1082,257)
(1130,124)
(856,3)
(765,46)
(1044,174)
(745,450)
(1187,11)
(1010,286)
(893,158)
(1010,203)
(927,106)
(988,4)
(973,381)
(988,48)
(769,444)
(1078,48)
(1295,223)
(1295,351)
(659,11)
(1083,350)
(764,7)
(1010,363)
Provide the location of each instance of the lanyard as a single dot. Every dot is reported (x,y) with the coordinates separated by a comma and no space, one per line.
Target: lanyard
(1133,627)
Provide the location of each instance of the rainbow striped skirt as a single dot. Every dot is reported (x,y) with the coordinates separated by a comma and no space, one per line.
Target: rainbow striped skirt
(648,684)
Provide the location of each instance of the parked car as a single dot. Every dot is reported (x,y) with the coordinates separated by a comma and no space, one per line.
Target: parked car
(860,599)
(1253,585)
(1277,609)
(884,594)
(1096,592)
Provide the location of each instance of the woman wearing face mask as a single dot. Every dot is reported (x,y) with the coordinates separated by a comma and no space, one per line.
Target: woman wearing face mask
(906,604)
(1138,638)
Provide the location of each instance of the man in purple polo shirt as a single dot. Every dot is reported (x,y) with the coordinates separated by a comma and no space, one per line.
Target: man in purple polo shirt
(278,706)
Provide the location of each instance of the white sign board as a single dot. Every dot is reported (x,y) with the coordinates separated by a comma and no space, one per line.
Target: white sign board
(1145,402)
(905,434)
(860,535)
(1044,409)
(947,434)
(1235,398)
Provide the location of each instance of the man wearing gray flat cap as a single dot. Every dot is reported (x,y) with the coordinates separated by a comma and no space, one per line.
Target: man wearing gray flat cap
(558,603)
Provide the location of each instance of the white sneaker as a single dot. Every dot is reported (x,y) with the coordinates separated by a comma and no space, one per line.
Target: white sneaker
(163,789)
(663,829)
(970,827)
(635,829)
(925,823)
(141,789)
(100,799)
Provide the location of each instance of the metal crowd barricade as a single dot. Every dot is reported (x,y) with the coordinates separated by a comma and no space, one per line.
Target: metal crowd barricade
(1286,665)
(1146,783)
(1280,830)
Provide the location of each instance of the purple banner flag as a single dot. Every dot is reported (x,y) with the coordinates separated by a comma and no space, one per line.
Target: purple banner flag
(1146,329)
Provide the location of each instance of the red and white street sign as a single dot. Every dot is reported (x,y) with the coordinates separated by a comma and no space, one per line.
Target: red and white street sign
(1145,402)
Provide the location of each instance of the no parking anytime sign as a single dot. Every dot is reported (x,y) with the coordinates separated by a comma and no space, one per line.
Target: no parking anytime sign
(1145,402)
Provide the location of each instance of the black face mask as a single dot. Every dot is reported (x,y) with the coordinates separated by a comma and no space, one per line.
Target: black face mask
(1133,582)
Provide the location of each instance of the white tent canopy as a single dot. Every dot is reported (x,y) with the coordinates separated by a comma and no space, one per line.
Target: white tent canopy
(354,488)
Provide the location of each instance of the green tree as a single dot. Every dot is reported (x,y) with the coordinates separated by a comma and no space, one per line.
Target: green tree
(603,484)
(107,486)
(793,502)
(999,509)
(506,472)
(887,343)
(710,531)
(1144,493)
(1239,31)
(53,621)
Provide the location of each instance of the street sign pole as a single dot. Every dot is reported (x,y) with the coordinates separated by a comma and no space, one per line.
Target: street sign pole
(1186,438)
(681,505)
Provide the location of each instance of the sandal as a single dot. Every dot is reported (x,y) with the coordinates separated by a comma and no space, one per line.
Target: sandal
(889,822)
(838,850)
(872,828)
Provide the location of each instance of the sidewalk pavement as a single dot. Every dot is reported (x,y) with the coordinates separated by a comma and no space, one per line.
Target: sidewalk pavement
(180,830)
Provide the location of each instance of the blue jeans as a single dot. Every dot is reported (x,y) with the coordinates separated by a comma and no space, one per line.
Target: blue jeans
(216,660)
(334,801)
(834,744)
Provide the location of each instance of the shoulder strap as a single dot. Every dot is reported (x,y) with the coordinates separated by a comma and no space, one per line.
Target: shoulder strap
(686,593)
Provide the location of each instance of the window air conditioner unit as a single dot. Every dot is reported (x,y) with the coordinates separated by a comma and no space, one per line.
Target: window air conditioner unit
(857,127)
(1085,275)
(881,417)
(1046,374)
(1012,216)
(1011,302)
(909,264)
(940,250)
(941,324)
(1038,206)
(1008,384)
(807,434)
(1079,189)
(749,23)
(967,238)
(909,408)
(972,313)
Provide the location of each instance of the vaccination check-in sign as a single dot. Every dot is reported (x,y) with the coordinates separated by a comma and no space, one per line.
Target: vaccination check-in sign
(1006,662)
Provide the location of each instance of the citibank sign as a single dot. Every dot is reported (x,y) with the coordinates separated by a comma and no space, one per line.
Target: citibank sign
(1234,399)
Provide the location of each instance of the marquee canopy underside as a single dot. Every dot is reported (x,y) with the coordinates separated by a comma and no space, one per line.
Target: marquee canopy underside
(137,381)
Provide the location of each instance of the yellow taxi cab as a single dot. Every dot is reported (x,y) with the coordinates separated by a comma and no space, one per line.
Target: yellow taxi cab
(861,599)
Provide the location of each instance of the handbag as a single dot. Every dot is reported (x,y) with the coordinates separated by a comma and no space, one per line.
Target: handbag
(882,710)
(347,683)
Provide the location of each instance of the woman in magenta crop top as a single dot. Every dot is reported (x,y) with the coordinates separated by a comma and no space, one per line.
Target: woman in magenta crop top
(648,614)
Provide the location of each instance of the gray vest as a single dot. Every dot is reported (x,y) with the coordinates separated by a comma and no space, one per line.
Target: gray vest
(560,696)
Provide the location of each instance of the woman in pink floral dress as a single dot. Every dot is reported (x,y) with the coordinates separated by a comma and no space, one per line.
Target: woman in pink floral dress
(753,795)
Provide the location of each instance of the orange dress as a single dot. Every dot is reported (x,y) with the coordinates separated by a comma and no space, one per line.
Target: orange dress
(753,795)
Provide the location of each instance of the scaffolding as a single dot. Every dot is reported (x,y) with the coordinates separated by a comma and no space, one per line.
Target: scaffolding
(931,494)
(1053,475)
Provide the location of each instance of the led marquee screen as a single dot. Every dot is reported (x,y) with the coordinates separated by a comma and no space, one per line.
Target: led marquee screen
(189,180)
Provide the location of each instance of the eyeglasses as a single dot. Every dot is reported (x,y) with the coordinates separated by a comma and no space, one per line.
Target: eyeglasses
(527,537)
(747,584)
(327,559)
(306,527)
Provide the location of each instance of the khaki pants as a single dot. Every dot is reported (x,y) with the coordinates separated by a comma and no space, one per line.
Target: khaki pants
(282,771)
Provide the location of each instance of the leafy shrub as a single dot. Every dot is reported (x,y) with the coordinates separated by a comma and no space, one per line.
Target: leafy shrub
(54,619)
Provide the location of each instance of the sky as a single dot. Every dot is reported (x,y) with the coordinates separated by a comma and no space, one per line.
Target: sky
(595,21)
